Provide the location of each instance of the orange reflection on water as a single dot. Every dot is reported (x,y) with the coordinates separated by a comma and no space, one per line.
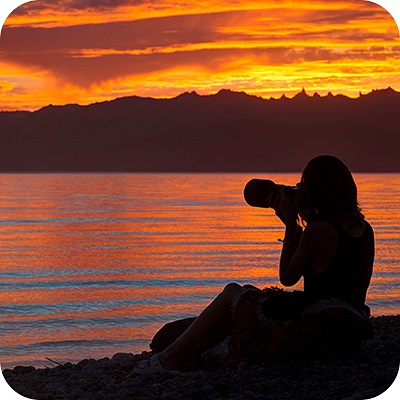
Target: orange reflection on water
(93,294)
(113,257)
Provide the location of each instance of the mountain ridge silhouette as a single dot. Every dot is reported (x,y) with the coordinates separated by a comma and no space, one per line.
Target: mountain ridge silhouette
(224,132)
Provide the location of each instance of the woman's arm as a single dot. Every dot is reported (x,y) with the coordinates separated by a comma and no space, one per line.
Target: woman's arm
(296,255)
(314,248)
(288,215)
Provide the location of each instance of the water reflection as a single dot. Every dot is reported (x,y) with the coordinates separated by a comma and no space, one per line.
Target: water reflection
(92,264)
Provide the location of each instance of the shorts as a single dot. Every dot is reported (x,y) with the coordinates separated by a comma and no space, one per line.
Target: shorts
(276,324)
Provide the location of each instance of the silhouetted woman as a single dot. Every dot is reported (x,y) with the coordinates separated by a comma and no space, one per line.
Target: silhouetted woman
(334,254)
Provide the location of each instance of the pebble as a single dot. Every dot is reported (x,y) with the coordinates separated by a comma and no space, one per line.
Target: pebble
(30,393)
(366,375)
(140,392)
(171,396)
(77,392)
(208,388)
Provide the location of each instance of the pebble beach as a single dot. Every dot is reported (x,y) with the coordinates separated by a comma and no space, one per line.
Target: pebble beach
(363,376)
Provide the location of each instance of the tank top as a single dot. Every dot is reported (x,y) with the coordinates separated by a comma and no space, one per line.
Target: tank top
(349,274)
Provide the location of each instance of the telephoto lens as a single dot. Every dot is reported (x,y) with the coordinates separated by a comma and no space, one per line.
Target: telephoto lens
(264,192)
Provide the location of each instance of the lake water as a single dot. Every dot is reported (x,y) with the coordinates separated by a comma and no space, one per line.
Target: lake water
(94,264)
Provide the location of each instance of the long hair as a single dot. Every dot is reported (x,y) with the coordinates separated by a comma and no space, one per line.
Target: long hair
(327,190)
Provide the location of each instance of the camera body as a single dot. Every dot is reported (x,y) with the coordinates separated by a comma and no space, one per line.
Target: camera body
(264,193)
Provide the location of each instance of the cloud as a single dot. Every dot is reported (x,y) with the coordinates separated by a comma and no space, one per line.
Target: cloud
(220,46)
(123,35)
(70,5)
(234,27)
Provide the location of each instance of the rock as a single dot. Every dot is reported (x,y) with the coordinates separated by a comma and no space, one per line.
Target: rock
(99,395)
(41,396)
(19,369)
(208,388)
(171,396)
(111,387)
(30,394)
(365,376)
(77,393)
(7,372)
(140,392)
(122,359)
(67,365)
(379,380)
(345,371)
(247,394)
(83,362)
(89,369)
(19,388)
(355,397)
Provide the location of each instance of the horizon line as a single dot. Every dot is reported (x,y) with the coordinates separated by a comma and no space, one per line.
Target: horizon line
(303,92)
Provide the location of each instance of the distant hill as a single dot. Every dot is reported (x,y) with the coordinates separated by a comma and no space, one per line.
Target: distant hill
(228,131)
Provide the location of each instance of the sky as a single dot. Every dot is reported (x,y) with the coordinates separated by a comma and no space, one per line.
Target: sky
(85,51)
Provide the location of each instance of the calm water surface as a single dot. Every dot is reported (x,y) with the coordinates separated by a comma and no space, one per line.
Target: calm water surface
(94,264)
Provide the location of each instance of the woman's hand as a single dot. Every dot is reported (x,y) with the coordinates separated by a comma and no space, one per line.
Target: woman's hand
(284,208)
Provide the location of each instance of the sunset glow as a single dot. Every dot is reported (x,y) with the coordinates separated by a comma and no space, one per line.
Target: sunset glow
(58,52)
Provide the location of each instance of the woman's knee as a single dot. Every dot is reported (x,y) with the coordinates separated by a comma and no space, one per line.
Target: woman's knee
(230,291)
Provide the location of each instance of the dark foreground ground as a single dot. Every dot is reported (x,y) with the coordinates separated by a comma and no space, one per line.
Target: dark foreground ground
(363,376)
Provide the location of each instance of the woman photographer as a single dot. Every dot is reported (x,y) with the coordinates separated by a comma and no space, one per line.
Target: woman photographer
(329,243)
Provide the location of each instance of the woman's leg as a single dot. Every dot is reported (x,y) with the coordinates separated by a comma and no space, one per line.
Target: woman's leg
(191,359)
(207,328)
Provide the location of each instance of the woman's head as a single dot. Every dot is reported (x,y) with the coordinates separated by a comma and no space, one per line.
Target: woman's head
(327,190)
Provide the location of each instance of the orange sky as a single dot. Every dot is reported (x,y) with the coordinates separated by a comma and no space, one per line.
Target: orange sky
(74,51)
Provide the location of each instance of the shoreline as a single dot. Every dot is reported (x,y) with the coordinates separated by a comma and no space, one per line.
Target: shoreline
(363,376)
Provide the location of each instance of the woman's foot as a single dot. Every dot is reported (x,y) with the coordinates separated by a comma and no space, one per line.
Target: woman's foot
(170,364)
(152,365)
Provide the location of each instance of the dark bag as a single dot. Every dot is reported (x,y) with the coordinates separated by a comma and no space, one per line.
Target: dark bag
(284,306)
(169,333)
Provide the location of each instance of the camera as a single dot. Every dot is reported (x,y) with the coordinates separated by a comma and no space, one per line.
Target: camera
(264,192)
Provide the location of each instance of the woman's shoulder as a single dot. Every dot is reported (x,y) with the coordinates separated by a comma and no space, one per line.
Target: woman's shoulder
(355,227)
(319,225)
(320,230)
